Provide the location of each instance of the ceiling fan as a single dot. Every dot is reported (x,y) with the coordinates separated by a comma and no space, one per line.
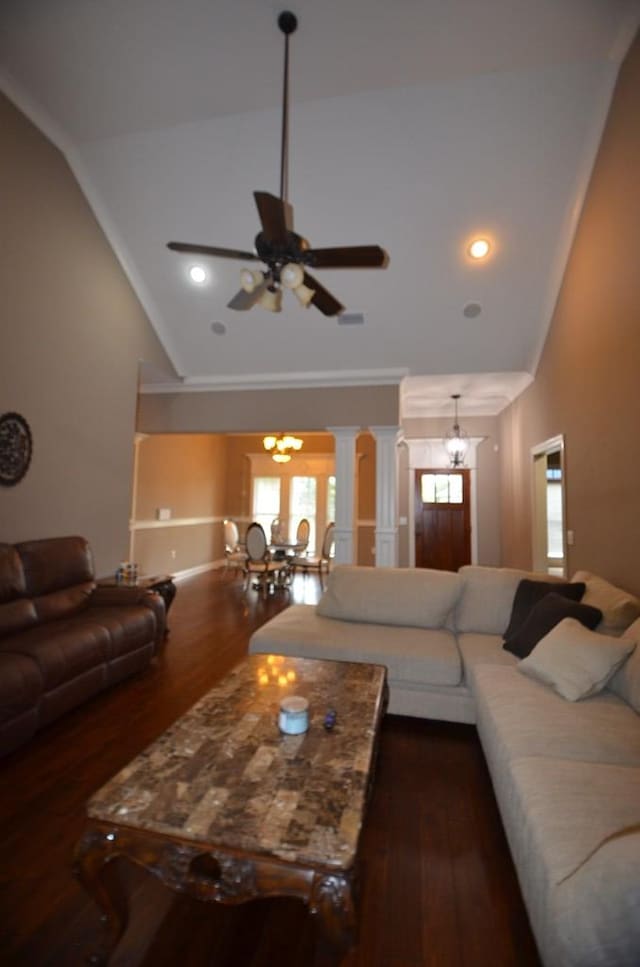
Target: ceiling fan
(287,255)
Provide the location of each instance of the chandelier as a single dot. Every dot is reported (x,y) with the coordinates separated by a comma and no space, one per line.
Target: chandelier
(280,447)
(456,441)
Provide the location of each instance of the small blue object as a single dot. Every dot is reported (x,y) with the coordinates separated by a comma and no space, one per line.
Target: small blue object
(330,719)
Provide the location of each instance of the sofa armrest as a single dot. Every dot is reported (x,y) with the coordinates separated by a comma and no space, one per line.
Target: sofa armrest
(103,596)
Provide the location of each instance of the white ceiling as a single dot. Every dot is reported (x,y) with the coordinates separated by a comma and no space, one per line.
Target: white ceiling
(414,124)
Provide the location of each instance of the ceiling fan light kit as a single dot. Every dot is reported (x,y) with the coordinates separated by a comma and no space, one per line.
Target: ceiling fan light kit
(285,253)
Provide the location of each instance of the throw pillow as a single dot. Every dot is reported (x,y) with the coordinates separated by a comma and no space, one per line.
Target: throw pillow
(528,593)
(619,608)
(546,614)
(576,662)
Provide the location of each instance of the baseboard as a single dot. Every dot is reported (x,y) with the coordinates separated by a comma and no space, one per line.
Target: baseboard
(190,572)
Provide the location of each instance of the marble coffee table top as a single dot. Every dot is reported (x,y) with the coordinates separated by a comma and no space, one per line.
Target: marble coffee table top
(225,775)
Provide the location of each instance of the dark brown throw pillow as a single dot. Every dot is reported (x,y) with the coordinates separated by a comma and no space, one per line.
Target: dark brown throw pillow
(546,614)
(528,594)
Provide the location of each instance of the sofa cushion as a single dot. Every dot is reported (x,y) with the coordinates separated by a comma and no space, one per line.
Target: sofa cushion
(520,717)
(598,906)
(129,628)
(476,649)
(16,611)
(413,597)
(529,592)
(58,573)
(574,661)
(546,614)
(62,649)
(415,655)
(486,598)
(560,812)
(626,681)
(20,684)
(619,608)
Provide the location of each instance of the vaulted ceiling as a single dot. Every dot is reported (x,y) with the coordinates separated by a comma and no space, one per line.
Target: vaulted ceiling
(415,124)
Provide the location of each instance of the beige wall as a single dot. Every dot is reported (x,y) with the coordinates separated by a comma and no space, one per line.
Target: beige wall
(260,411)
(586,386)
(71,335)
(186,474)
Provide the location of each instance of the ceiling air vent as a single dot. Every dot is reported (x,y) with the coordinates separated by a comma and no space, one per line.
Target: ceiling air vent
(351,319)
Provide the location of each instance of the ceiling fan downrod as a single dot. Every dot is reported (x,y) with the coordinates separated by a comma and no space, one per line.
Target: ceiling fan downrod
(287,22)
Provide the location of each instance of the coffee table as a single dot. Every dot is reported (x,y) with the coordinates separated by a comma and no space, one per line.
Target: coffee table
(225,807)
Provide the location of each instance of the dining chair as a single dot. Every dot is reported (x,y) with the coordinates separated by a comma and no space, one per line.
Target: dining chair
(320,563)
(235,556)
(302,536)
(268,572)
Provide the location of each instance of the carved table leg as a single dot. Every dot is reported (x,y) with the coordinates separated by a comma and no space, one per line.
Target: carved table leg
(333,906)
(98,875)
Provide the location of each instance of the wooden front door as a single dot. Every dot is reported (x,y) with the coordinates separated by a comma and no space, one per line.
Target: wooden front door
(442,519)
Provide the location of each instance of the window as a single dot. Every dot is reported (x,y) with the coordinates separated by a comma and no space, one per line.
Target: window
(302,503)
(266,501)
(441,488)
(331,500)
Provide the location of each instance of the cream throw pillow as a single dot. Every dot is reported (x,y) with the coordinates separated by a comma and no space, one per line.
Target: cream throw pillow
(619,608)
(576,662)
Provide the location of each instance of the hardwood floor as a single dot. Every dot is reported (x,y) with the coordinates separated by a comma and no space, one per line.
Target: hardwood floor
(439,888)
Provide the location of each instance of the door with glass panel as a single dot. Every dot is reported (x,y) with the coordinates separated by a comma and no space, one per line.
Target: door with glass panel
(442,519)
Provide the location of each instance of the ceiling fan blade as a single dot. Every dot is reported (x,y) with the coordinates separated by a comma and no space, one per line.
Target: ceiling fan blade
(224,253)
(244,300)
(347,257)
(322,299)
(276,216)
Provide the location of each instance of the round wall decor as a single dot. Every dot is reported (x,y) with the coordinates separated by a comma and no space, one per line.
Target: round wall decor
(15,448)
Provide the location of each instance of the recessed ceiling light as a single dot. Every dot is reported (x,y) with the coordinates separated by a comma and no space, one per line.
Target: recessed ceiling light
(479,248)
(219,328)
(198,274)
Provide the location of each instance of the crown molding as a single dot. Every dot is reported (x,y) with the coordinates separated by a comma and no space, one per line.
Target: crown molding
(262,381)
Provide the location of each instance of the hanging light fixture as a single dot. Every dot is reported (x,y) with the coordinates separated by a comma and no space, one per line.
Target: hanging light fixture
(281,446)
(456,441)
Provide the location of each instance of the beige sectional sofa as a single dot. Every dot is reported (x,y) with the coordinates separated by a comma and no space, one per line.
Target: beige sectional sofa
(566,773)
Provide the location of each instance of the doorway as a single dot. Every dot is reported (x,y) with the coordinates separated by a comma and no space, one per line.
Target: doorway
(442,519)
(549,550)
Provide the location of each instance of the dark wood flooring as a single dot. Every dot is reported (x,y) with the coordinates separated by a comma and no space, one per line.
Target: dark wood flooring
(439,888)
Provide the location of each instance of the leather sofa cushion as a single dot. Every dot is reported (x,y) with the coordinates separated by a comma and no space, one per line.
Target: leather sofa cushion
(55,563)
(58,575)
(62,649)
(20,684)
(129,628)
(16,611)
(12,584)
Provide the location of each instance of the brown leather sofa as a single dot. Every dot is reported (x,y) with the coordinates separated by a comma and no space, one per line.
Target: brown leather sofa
(62,638)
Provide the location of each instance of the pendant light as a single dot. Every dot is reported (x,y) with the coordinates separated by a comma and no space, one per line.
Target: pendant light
(456,441)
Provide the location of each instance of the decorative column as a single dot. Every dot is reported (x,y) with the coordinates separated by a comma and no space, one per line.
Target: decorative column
(345,467)
(386,535)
